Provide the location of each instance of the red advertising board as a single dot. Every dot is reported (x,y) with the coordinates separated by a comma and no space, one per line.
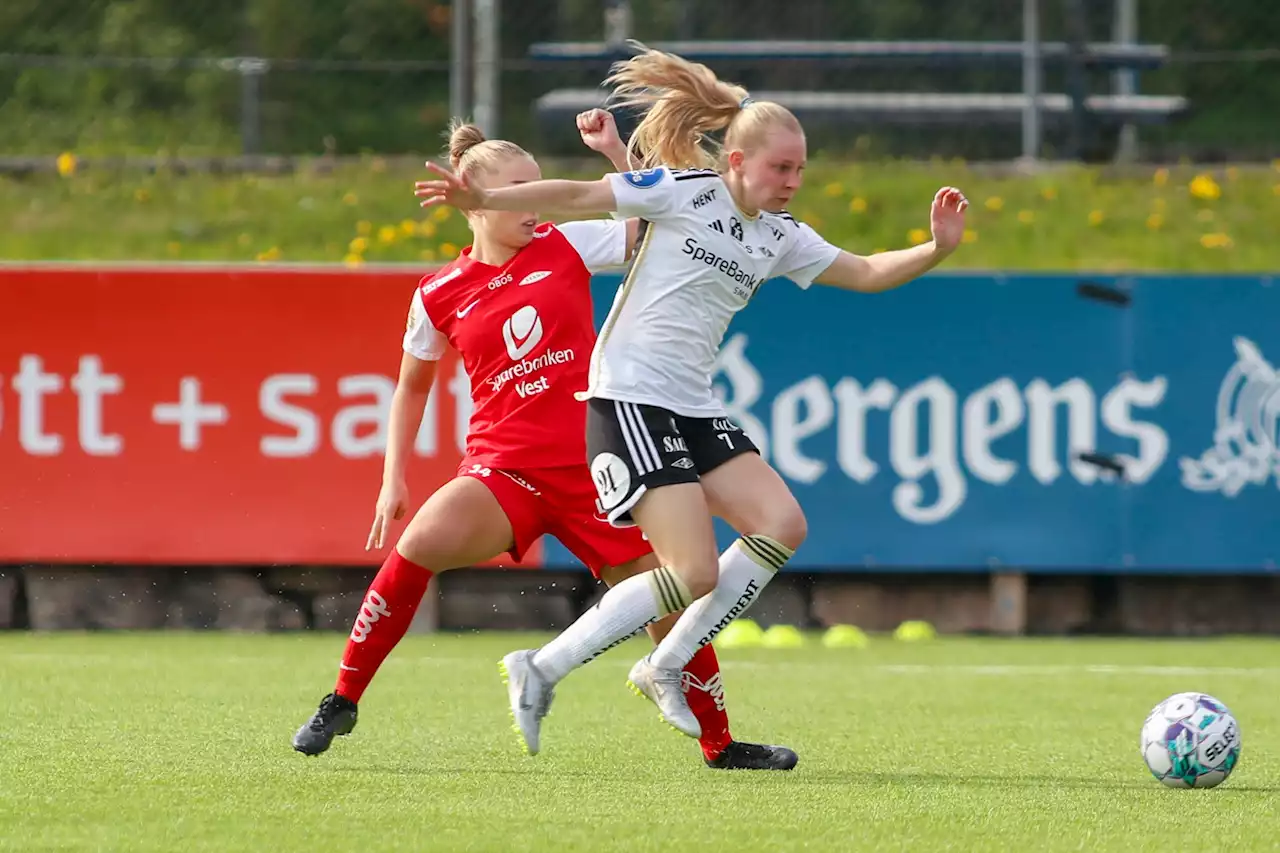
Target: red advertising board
(206,415)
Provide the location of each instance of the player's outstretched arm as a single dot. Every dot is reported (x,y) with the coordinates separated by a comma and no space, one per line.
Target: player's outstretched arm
(408,406)
(887,270)
(548,196)
(599,132)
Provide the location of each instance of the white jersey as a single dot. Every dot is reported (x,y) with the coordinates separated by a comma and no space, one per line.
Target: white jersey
(700,261)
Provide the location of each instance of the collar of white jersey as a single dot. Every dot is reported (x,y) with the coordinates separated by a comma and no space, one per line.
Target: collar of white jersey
(747,216)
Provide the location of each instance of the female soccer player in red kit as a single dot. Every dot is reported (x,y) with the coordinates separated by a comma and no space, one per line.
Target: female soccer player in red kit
(516,305)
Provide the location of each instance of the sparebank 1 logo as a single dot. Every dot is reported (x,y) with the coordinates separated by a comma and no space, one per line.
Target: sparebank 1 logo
(1247,435)
(935,434)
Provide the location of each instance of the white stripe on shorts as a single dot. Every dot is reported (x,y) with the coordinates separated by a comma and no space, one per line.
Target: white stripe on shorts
(642,431)
(639,459)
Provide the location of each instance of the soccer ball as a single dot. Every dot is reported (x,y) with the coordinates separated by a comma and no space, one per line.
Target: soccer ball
(1191,740)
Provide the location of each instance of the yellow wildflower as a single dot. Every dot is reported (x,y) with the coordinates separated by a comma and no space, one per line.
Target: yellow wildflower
(1205,188)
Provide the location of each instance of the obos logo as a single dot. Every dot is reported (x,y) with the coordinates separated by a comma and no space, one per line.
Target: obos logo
(644,178)
(713,687)
(522,332)
(374,608)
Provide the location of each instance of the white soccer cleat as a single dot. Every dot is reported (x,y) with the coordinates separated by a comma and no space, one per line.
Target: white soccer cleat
(530,694)
(663,687)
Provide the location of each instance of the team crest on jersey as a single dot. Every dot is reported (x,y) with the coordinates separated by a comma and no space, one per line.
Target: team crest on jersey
(642,179)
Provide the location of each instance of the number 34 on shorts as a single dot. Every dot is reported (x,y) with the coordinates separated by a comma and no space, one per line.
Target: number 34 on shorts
(633,448)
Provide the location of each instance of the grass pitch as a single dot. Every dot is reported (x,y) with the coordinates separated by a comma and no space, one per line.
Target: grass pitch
(164,742)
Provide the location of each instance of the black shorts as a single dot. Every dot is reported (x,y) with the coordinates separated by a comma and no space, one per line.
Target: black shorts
(633,448)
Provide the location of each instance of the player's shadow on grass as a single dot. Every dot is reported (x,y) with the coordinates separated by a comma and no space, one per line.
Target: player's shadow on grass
(990,780)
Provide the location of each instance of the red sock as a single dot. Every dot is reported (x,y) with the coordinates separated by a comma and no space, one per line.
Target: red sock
(704,691)
(384,617)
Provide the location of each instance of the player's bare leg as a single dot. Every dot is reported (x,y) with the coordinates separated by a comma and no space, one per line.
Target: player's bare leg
(752,497)
(701,682)
(461,524)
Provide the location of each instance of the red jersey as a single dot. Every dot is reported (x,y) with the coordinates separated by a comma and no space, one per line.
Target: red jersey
(525,332)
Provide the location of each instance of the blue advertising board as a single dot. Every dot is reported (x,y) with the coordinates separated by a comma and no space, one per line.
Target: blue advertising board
(969,421)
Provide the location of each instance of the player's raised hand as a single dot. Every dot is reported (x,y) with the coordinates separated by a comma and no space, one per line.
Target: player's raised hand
(393,500)
(946,218)
(448,189)
(599,131)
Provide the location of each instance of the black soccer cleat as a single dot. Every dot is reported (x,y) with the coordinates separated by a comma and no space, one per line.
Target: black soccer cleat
(335,717)
(753,756)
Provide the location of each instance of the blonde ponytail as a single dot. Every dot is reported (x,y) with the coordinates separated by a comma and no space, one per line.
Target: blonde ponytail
(684,102)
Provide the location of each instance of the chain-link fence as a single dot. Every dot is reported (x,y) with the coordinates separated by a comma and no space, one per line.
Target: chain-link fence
(1148,79)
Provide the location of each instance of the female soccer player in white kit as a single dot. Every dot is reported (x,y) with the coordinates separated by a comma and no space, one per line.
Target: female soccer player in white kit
(663,452)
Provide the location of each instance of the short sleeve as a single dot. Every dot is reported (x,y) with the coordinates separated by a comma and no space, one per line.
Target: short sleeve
(807,256)
(601,243)
(422,339)
(647,193)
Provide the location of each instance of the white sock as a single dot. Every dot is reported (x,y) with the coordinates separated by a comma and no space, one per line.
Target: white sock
(622,612)
(745,569)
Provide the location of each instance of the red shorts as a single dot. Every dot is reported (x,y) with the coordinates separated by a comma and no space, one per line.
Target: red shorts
(560,502)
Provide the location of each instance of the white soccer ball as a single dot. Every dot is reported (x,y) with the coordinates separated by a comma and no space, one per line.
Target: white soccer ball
(1191,740)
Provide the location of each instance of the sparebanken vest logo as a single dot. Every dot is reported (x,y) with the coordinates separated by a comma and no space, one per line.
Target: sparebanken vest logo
(522,332)
(1245,439)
